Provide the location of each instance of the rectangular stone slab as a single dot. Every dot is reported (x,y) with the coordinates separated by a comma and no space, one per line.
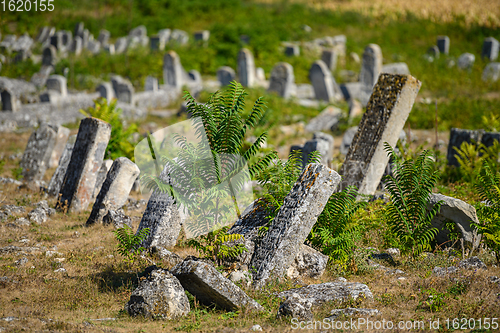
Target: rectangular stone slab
(58,176)
(292,224)
(36,157)
(386,113)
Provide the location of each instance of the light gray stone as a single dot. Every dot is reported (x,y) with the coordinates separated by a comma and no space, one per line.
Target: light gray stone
(203,35)
(58,83)
(58,176)
(294,221)
(327,120)
(443,44)
(151,84)
(180,37)
(329,57)
(353,312)
(88,153)
(282,80)
(209,286)
(159,295)
(38,216)
(94,46)
(330,291)
(121,45)
(322,146)
(491,72)
(325,87)
(472,263)
(440,271)
(371,66)
(466,60)
(490,49)
(77,45)
(36,157)
(396,68)
(101,176)
(296,307)
(225,75)
(156,43)
(173,73)
(106,90)
(115,190)
(434,52)
(117,218)
(62,135)
(385,116)
(139,31)
(246,68)
(308,263)
(104,36)
(292,50)
(40,78)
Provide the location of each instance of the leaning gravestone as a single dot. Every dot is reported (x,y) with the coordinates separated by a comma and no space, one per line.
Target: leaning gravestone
(433,51)
(172,70)
(386,113)
(115,190)
(246,68)
(77,46)
(58,83)
(58,176)
(457,137)
(321,146)
(121,45)
(225,75)
(490,49)
(465,61)
(329,57)
(282,80)
(292,224)
(9,100)
(79,27)
(61,139)
(101,176)
(371,65)
(489,138)
(327,120)
(86,159)
(36,157)
(104,37)
(56,40)
(325,87)
(443,44)
(49,56)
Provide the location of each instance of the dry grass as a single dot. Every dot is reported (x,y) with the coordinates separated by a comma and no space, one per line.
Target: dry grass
(470,12)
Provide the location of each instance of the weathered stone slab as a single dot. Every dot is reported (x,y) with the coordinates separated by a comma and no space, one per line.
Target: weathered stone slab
(246,68)
(77,45)
(458,211)
(385,116)
(331,291)
(433,51)
(79,27)
(40,78)
(101,176)
(347,139)
(293,222)
(396,68)
(151,84)
(322,146)
(329,57)
(325,87)
(115,190)
(371,65)
(9,100)
(58,176)
(61,139)
(202,36)
(58,83)
(36,157)
(159,295)
(489,138)
(490,49)
(180,37)
(491,72)
(173,73)
(356,90)
(308,263)
(225,75)
(117,218)
(104,36)
(56,40)
(457,136)
(465,61)
(121,45)
(209,286)
(282,80)
(49,56)
(443,44)
(86,159)
(327,120)
(106,90)
(156,43)
(124,90)
(292,50)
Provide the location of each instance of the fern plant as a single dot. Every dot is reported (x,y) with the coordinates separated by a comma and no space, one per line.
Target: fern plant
(335,233)
(488,211)
(128,242)
(120,143)
(471,157)
(410,189)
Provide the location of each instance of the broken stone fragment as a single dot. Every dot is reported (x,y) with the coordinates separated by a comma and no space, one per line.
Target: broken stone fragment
(329,291)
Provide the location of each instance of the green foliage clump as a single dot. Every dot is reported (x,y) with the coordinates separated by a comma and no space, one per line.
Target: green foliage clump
(471,157)
(128,242)
(120,143)
(410,188)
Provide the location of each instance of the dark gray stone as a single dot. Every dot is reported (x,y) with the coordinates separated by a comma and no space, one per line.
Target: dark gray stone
(117,218)
(202,36)
(225,75)
(151,84)
(49,56)
(121,45)
(246,68)
(123,89)
(282,80)
(106,90)
(292,50)
(9,100)
(173,73)
(490,49)
(329,57)
(371,66)
(36,157)
(325,87)
(443,44)
(457,136)
(489,138)
(58,176)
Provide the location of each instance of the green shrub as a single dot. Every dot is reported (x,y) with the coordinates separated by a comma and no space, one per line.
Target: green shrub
(128,242)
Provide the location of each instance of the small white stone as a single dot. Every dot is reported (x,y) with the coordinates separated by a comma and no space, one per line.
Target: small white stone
(256,328)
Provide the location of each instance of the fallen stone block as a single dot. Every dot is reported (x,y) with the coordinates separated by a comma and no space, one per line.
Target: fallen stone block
(329,291)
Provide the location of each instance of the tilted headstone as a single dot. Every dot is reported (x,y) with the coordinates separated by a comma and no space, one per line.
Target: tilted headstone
(58,83)
(371,65)
(292,50)
(433,51)
(491,72)
(79,27)
(282,80)
(58,176)
(104,36)
(319,145)
(179,36)
(49,56)
(225,75)
(443,44)
(325,87)
(121,45)
(43,35)
(457,137)
(36,157)
(77,46)
(94,46)
(9,100)
(396,68)
(386,113)
(329,57)
(88,153)
(172,70)
(202,36)
(40,78)
(327,120)
(327,138)
(465,61)
(293,223)
(106,90)
(62,134)
(115,190)
(123,89)
(101,176)
(490,49)
(246,68)
(151,84)
(85,38)
(109,49)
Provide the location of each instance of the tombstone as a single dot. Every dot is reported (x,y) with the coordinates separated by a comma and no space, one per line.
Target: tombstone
(325,87)
(58,83)
(156,43)
(327,120)
(202,35)
(43,35)
(457,136)
(106,91)
(49,56)
(79,27)
(40,78)
(292,50)
(282,79)
(291,226)
(115,189)
(101,176)
(396,68)
(371,65)
(164,34)
(320,145)
(124,90)
(62,134)
(58,176)
(172,70)
(36,157)
(109,49)
(465,61)
(104,36)
(94,46)
(77,46)
(491,72)
(88,153)
(490,49)
(246,68)
(179,36)
(433,51)
(67,39)
(85,38)
(489,138)
(260,75)
(151,84)
(389,106)
(329,57)
(225,75)
(9,100)
(121,45)
(139,31)
(21,55)
(329,140)
(57,40)
(443,44)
